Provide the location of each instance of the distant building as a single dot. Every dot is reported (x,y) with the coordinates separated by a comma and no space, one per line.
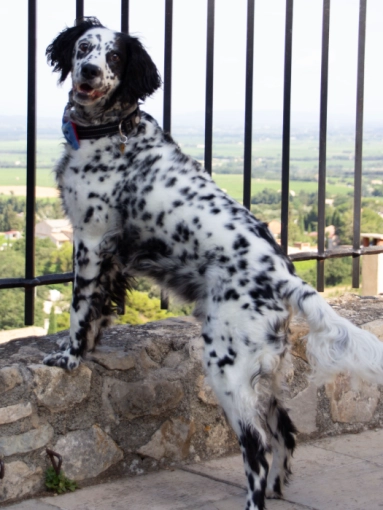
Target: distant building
(12,235)
(372,266)
(302,246)
(58,231)
(275,227)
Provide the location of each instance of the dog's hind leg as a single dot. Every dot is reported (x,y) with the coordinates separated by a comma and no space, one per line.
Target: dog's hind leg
(282,441)
(245,407)
(255,453)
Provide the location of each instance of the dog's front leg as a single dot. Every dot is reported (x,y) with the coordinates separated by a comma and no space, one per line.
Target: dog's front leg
(87,305)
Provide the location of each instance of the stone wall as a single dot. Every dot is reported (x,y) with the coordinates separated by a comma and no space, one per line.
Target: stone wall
(141,403)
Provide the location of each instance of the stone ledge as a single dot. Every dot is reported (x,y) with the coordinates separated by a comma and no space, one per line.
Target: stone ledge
(141,402)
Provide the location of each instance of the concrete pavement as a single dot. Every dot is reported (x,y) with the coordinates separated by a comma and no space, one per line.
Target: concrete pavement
(341,473)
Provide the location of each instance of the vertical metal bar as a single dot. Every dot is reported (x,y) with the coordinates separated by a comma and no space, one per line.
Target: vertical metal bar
(209,86)
(79,11)
(31,164)
(286,126)
(125,16)
(125,30)
(248,105)
(167,112)
(359,141)
(322,143)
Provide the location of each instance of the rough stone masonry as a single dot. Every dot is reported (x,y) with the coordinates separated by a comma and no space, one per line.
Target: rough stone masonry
(141,402)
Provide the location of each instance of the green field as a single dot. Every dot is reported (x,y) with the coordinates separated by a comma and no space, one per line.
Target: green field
(17,177)
(228,162)
(233,184)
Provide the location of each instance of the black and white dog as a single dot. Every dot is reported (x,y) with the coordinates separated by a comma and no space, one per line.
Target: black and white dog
(139,206)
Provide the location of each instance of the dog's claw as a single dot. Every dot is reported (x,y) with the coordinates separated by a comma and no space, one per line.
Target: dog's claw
(63,360)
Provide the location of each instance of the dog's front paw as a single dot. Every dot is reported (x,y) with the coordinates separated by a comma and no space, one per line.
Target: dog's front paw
(63,360)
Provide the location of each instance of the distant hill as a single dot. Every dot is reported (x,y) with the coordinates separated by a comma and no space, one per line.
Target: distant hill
(12,127)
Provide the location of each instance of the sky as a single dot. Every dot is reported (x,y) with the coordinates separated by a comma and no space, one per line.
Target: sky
(189,51)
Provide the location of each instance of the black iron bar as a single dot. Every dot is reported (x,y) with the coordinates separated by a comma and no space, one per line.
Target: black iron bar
(125,16)
(31,165)
(209,86)
(248,135)
(29,283)
(167,111)
(286,126)
(125,30)
(79,11)
(322,144)
(331,254)
(359,142)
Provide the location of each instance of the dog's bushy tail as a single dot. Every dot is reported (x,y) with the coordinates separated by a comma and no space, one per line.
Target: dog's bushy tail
(334,344)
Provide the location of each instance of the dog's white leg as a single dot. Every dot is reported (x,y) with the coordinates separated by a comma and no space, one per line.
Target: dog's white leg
(283,434)
(245,404)
(89,300)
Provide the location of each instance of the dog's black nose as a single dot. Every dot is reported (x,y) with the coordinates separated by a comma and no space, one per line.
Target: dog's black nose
(89,71)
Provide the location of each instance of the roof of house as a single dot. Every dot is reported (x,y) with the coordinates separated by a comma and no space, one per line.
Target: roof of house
(61,223)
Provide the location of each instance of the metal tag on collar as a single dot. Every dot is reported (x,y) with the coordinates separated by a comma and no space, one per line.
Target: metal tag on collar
(123,138)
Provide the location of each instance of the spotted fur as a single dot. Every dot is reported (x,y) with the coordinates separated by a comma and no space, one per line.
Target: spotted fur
(151,210)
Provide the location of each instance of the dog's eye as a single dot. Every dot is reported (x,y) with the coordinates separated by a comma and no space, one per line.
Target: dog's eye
(83,46)
(114,57)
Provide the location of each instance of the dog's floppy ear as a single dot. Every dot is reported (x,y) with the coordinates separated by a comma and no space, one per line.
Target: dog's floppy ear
(59,53)
(140,78)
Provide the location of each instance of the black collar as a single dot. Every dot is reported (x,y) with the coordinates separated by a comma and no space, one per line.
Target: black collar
(124,127)
(74,133)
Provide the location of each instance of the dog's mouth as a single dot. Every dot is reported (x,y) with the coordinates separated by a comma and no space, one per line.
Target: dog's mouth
(85,88)
(86,91)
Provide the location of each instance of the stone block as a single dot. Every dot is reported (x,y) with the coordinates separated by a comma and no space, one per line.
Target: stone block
(205,392)
(27,442)
(303,409)
(145,398)
(350,404)
(20,480)
(9,378)
(170,441)
(14,413)
(112,359)
(217,438)
(375,327)
(298,331)
(87,453)
(58,389)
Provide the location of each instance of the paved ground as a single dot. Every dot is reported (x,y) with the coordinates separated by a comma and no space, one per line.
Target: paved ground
(343,473)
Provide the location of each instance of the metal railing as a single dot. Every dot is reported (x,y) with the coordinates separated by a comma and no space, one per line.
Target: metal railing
(30,281)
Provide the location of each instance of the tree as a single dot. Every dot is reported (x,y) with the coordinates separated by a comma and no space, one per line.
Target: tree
(60,260)
(52,321)
(266,196)
(337,272)
(371,221)
(63,321)
(12,309)
(140,308)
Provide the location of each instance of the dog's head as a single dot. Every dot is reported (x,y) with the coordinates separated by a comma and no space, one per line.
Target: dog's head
(104,64)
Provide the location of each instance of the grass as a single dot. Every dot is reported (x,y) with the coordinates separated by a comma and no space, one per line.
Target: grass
(18,177)
(233,184)
(266,153)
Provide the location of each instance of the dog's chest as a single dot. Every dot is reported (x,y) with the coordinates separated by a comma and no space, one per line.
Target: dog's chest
(87,182)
